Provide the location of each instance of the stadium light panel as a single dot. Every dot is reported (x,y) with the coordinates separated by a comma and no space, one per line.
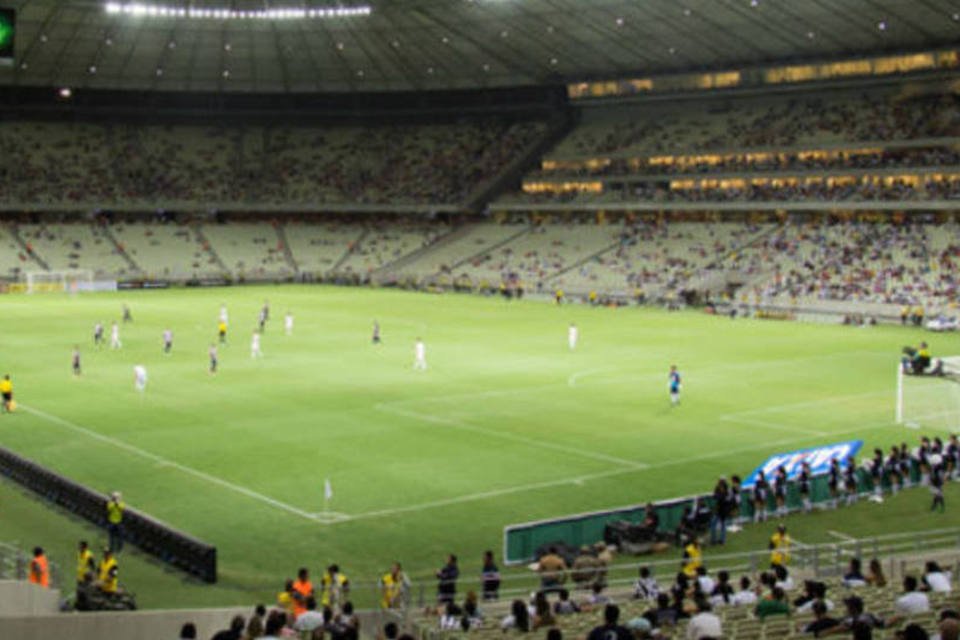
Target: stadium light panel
(146,10)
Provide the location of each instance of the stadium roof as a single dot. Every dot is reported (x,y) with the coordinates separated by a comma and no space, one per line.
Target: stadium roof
(449,44)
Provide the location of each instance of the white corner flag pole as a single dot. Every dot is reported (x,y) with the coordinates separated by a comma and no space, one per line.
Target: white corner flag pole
(900,394)
(327,494)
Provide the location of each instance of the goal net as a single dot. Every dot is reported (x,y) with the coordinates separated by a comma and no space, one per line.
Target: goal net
(930,401)
(68,281)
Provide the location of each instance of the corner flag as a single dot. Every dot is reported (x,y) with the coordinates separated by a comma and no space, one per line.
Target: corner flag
(327,489)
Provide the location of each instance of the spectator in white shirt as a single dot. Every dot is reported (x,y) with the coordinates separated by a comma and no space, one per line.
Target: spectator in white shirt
(310,619)
(912,601)
(936,579)
(704,625)
(707,583)
(746,596)
(646,587)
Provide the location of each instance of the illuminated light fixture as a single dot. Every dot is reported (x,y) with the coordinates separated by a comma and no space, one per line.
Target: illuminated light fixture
(144,10)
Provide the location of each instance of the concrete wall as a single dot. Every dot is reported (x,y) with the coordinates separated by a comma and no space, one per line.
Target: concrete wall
(129,625)
(19,597)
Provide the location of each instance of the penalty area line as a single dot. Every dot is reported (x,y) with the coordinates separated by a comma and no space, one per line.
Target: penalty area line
(165,462)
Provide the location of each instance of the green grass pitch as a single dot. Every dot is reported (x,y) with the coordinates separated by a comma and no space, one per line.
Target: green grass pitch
(507,425)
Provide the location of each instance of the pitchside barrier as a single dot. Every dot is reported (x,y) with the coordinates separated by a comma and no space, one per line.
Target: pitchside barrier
(520,541)
(151,536)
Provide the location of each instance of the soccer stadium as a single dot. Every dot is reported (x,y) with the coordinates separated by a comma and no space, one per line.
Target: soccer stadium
(466,319)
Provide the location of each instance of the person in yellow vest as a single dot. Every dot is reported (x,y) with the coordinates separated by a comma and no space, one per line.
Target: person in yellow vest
(333,585)
(393,585)
(780,547)
(222,331)
(904,314)
(115,508)
(6,392)
(107,574)
(285,599)
(692,557)
(592,297)
(39,568)
(86,565)
(559,296)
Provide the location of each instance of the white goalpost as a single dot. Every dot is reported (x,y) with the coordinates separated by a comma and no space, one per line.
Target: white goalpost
(59,281)
(930,401)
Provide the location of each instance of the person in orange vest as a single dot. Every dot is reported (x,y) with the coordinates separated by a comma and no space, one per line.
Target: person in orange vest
(40,568)
(302,589)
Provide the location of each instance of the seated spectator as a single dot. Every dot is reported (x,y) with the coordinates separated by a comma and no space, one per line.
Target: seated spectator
(597,597)
(774,604)
(935,578)
(857,620)
(666,615)
(518,619)
(854,576)
(646,587)
(235,632)
(722,593)
(821,621)
(705,624)
(875,575)
(565,606)
(912,632)
(542,614)
(949,626)
(746,596)
(610,629)
(783,579)
(450,619)
(256,623)
(188,631)
(912,601)
(273,628)
(704,580)
(813,592)
(310,619)
(472,611)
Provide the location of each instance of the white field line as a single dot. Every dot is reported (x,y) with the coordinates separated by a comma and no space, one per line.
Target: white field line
(766,424)
(120,444)
(842,536)
(504,435)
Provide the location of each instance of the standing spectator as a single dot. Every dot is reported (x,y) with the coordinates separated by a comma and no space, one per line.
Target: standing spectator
(780,547)
(722,506)
(490,577)
(301,591)
(912,601)
(85,562)
(394,587)
(610,629)
(39,568)
(552,570)
(6,393)
(334,585)
(447,581)
(705,624)
(115,508)
(936,484)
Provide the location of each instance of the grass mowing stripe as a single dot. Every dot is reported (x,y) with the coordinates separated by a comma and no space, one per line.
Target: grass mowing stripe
(168,463)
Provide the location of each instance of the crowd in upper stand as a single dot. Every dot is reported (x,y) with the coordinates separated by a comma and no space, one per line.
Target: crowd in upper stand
(106,165)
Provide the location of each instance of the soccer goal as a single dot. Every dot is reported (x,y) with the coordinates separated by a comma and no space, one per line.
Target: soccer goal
(930,401)
(68,280)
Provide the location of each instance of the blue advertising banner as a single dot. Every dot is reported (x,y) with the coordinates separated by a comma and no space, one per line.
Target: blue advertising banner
(818,458)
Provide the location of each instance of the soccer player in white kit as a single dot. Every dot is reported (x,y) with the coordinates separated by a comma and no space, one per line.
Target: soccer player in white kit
(224,318)
(573,335)
(167,340)
(419,356)
(255,351)
(288,323)
(140,377)
(115,336)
